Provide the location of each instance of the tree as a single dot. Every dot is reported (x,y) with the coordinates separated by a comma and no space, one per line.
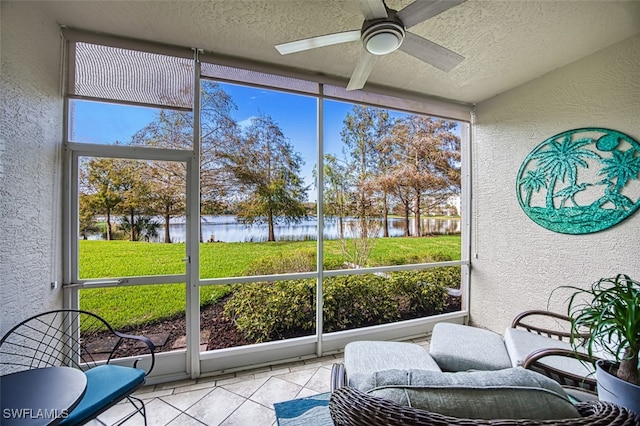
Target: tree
(336,190)
(533,181)
(167,184)
(220,133)
(562,160)
(103,181)
(266,171)
(174,129)
(397,185)
(362,134)
(87,221)
(142,227)
(621,167)
(427,166)
(136,195)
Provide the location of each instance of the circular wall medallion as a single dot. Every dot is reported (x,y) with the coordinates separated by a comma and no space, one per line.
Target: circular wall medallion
(581,181)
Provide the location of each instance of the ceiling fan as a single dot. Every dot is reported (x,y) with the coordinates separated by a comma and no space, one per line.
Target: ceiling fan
(384,31)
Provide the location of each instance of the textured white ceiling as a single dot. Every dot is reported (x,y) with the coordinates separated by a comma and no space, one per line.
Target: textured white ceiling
(505,42)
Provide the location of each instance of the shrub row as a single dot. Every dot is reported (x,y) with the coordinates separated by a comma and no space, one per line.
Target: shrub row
(275,310)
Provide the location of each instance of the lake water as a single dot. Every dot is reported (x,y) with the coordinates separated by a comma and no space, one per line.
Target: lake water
(227,229)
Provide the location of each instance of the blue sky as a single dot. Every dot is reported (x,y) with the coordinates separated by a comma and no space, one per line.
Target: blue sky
(296,115)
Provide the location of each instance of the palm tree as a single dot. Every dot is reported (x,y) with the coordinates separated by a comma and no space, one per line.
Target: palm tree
(561,160)
(622,166)
(533,181)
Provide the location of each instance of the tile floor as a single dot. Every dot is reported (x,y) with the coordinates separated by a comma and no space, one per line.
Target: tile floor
(245,398)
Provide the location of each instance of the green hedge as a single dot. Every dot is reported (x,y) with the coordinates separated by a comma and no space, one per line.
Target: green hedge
(274,310)
(353,301)
(266,311)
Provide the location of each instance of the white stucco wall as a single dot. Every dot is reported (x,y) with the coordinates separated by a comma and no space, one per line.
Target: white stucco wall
(518,262)
(31,137)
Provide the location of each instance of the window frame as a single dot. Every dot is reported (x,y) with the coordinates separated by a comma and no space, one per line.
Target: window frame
(195,363)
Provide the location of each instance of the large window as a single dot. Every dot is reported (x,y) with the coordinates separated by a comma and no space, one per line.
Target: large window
(303,211)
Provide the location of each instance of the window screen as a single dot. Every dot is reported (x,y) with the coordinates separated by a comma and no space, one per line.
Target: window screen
(255,77)
(117,74)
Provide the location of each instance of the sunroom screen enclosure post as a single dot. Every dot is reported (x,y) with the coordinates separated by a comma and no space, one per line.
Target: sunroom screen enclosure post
(320,221)
(193,234)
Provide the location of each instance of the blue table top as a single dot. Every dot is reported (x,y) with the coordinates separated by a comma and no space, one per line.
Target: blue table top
(41,396)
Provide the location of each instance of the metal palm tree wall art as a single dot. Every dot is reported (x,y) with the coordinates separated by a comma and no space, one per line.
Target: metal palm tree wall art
(581,181)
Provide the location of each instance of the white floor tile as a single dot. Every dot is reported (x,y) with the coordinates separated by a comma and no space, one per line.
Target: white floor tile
(159,413)
(182,401)
(275,390)
(251,413)
(246,388)
(321,380)
(185,420)
(298,377)
(215,407)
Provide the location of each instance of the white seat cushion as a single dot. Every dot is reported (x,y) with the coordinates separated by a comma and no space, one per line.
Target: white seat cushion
(368,357)
(521,343)
(458,347)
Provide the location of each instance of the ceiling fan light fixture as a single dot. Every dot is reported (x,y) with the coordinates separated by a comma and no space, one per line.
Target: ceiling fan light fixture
(383,39)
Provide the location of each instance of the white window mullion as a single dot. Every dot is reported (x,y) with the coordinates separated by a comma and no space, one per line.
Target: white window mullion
(70,229)
(320,230)
(193,236)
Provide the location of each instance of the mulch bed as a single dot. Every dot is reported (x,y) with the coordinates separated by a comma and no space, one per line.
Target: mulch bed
(218,332)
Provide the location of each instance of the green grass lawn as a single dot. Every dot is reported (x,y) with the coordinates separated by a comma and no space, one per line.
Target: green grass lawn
(141,304)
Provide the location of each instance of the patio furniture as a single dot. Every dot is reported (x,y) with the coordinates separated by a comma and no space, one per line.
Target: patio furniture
(382,383)
(60,338)
(530,342)
(350,407)
(24,393)
(551,353)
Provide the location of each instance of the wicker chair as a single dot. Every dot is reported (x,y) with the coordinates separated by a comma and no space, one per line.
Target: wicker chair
(529,321)
(351,407)
(57,338)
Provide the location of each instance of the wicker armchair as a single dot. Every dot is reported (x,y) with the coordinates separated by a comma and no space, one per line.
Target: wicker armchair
(536,360)
(351,407)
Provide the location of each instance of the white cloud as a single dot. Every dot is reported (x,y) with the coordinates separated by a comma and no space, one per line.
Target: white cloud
(245,123)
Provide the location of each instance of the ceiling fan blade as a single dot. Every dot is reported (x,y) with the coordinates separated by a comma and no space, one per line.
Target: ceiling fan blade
(320,41)
(430,52)
(362,71)
(421,10)
(373,9)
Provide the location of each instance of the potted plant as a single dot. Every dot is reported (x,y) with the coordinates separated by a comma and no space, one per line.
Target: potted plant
(609,311)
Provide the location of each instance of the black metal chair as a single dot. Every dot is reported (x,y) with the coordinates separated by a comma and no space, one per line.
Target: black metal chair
(60,338)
